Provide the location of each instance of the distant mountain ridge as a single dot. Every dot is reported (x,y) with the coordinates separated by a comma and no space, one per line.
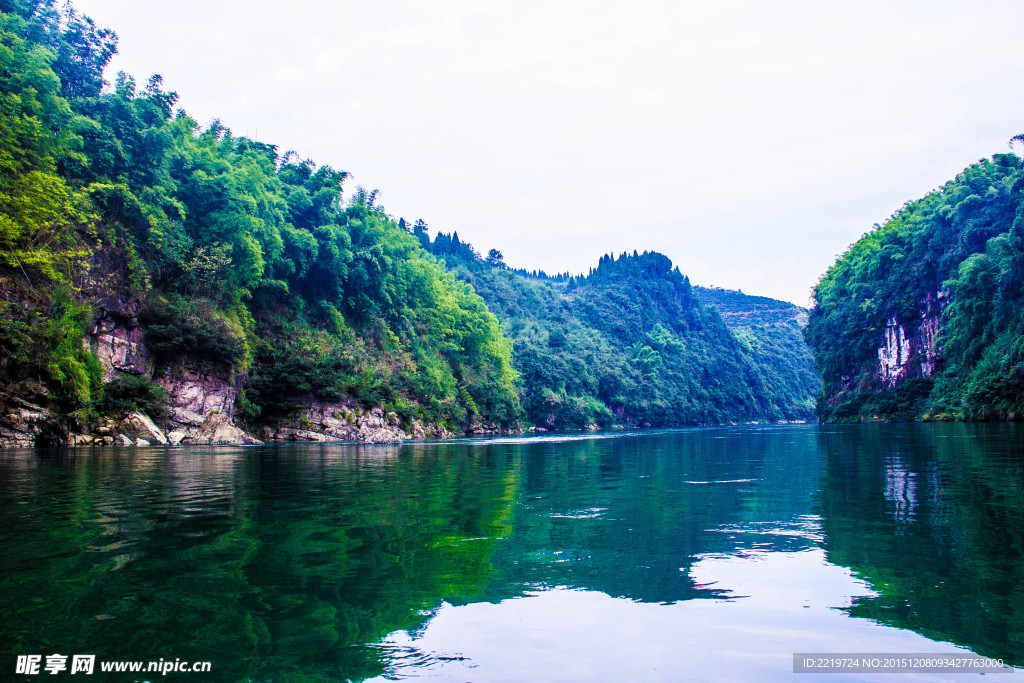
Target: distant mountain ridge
(737,308)
(633,343)
(773,332)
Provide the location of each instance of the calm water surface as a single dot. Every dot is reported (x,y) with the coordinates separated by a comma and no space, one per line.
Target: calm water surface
(710,554)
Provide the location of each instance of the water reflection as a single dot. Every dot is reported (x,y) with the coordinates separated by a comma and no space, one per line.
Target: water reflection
(932,516)
(772,604)
(715,552)
(900,490)
(628,516)
(277,564)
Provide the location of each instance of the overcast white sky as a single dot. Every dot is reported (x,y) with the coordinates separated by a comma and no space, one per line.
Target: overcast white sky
(751,142)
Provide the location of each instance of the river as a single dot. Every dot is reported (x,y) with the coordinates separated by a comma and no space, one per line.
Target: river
(708,554)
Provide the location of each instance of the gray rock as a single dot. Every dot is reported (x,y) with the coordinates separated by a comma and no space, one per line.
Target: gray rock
(201,409)
(291,434)
(416,430)
(80,440)
(27,425)
(194,395)
(380,436)
(347,421)
(140,426)
(117,342)
(217,428)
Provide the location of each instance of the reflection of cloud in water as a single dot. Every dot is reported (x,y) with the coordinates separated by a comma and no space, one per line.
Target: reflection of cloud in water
(588,513)
(783,602)
(524,440)
(784,581)
(802,533)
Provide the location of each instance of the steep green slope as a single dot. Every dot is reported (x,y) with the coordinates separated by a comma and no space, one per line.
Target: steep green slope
(773,333)
(922,317)
(235,262)
(149,264)
(631,343)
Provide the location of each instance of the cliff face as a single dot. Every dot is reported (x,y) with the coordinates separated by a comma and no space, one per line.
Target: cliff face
(913,349)
(27,425)
(117,342)
(906,358)
(922,317)
(200,404)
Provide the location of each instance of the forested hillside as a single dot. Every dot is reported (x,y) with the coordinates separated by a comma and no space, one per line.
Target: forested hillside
(773,333)
(631,343)
(195,260)
(922,317)
(166,281)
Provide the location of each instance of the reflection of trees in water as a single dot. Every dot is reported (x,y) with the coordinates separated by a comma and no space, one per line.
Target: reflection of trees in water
(280,563)
(933,517)
(284,562)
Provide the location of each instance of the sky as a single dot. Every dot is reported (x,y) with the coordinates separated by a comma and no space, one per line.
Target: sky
(750,142)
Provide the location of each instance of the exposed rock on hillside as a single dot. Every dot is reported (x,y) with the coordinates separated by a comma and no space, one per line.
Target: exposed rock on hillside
(117,342)
(914,350)
(26,425)
(201,407)
(347,421)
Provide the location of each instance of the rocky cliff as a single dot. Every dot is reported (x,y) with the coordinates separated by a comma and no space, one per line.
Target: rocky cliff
(893,381)
(199,407)
(922,317)
(912,349)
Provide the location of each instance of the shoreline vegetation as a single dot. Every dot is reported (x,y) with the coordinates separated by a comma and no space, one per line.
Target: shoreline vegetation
(164,282)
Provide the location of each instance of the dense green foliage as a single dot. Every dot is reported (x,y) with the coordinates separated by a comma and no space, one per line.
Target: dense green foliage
(127,393)
(631,343)
(245,263)
(237,258)
(40,212)
(962,244)
(772,334)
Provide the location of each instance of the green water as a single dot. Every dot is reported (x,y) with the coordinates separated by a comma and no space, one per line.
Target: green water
(709,554)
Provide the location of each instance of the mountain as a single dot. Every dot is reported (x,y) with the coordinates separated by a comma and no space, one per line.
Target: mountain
(633,343)
(165,282)
(922,317)
(773,332)
(150,266)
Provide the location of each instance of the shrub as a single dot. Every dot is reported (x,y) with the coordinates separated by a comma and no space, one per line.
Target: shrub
(128,393)
(194,330)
